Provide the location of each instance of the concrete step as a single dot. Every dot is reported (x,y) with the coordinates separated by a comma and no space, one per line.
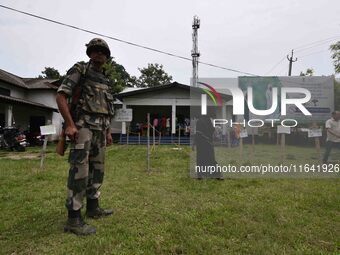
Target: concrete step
(163,140)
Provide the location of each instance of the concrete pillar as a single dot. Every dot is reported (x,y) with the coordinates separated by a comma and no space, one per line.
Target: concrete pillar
(8,115)
(124,123)
(173,117)
(229,114)
(224,116)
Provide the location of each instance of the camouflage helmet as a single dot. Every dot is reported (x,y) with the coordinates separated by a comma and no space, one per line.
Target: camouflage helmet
(98,43)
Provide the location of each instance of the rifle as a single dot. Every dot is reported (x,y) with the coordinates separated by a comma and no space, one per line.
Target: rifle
(76,94)
(61,145)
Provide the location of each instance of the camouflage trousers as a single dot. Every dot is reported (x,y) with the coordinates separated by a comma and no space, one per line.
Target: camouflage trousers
(87,157)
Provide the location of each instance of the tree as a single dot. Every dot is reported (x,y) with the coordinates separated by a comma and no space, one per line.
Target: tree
(118,76)
(153,76)
(335,49)
(309,72)
(337,95)
(50,73)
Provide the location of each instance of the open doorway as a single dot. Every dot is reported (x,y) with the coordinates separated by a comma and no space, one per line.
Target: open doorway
(35,123)
(2,119)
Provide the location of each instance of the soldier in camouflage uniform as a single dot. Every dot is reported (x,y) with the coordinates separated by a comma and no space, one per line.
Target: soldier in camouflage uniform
(87,124)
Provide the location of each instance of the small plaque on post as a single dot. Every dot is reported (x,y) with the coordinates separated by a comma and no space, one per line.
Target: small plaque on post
(122,115)
(48,130)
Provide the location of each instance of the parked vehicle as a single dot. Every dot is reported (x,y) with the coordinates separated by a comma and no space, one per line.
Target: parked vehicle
(34,138)
(11,138)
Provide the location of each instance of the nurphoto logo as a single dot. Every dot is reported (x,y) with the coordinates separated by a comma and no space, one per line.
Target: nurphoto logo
(239,99)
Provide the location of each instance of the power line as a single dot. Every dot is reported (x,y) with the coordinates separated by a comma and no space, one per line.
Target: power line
(283,71)
(122,41)
(316,52)
(221,67)
(303,48)
(314,46)
(281,60)
(316,43)
(150,48)
(307,47)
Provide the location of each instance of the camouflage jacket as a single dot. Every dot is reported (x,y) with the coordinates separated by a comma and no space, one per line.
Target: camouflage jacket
(94,109)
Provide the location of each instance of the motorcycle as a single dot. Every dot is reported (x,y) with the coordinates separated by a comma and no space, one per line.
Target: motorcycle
(11,138)
(34,138)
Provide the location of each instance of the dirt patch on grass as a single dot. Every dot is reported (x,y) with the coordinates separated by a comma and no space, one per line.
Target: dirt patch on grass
(22,156)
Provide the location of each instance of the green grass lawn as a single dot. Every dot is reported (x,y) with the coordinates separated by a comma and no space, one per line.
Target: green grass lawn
(165,211)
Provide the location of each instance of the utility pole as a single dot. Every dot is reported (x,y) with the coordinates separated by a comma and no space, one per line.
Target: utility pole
(290,59)
(194,52)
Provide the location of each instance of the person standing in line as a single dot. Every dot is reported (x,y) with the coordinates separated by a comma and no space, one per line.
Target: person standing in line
(205,151)
(155,123)
(168,131)
(333,134)
(163,125)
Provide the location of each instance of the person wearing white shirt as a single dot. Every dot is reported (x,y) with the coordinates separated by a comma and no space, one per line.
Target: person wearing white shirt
(333,134)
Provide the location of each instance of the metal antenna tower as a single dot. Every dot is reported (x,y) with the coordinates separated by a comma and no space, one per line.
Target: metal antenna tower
(194,52)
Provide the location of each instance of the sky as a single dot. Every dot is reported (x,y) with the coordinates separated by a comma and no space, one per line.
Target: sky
(252,36)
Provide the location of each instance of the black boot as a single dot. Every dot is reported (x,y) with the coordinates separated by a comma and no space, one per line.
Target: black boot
(94,211)
(76,225)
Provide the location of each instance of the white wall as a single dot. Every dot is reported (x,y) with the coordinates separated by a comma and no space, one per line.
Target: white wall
(57,121)
(46,97)
(22,114)
(14,90)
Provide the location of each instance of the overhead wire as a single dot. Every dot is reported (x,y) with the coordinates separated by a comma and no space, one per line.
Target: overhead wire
(278,63)
(316,43)
(313,53)
(124,41)
(305,47)
(300,48)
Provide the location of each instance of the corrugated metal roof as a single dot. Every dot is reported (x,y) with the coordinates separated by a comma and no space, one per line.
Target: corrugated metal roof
(175,84)
(25,102)
(40,83)
(28,83)
(12,79)
(130,89)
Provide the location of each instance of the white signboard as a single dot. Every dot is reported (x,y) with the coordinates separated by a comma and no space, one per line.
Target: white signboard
(243,133)
(314,132)
(48,130)
(122,115)
(252,130)
(283,130)
(321,104)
